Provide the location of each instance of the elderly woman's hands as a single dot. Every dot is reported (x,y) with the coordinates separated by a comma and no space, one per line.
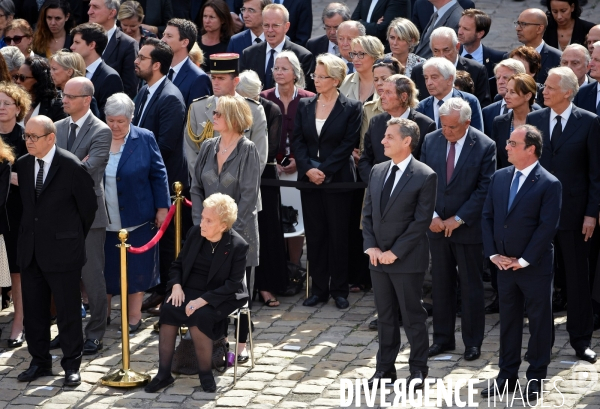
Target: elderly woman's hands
(194,305)
(177,296)
(161,215)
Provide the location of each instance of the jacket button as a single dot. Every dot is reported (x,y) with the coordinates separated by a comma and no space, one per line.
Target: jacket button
(118,178)
(505,226)
(121,208)
(35,219)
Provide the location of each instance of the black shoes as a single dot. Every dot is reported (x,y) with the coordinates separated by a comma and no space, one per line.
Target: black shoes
(418,376)
(559,301)
(436,349)
(55,343)
(382,375)
(156,384)
(472,353)
(207,381)
(341,303)
(312,301)
(242,358)
(33,373)
(72,377)
(152,301)
(92,346)
(587,355)
(17,342)
(494,307)
(373,325)
(501,383)
(533,391)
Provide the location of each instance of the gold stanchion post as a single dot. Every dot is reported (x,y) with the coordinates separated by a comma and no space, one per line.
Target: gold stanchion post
(125,377)
(178,187)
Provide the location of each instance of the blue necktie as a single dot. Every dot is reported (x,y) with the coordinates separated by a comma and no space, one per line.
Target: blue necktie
(514,188)
(439,123)
(350,68)
(598,109)
(269,70)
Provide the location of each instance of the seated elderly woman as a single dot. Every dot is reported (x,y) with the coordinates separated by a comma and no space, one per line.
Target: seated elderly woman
(206,284)
(14,59)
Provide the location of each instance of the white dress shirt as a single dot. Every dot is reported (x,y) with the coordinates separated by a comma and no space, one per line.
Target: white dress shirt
(333,48)
(79,122)
(47,162)
(177,68)
(564,118)
(477,54)
(91,69)
(457,150)
(539,47)
(151,91)
(442,10)
(436,108)
(254,36)
(109,34)
(373,4)
(401,168)
(277,49)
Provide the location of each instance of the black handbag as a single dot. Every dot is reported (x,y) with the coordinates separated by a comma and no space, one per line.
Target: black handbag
(289,219)
(296,279)
(186,363)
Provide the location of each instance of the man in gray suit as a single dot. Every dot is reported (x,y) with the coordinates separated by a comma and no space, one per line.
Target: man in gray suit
(89,139)
(447,14)
(398,209)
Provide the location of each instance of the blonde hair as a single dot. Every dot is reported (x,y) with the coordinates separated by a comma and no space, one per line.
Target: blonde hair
(372,46)
(196,55)
(70,61)
(224,206)
(405,30)
(130,9)
(19,95)
(335,67)
(236,112)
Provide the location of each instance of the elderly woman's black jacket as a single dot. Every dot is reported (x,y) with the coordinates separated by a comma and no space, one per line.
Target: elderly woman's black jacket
(226,277)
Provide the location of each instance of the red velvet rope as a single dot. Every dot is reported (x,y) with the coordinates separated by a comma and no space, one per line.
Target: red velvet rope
(187,202)
(157,237)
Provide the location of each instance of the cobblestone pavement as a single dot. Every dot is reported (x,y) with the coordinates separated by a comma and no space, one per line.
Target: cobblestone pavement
(334,344)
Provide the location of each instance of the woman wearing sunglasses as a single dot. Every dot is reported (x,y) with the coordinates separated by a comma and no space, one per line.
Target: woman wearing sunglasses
(53,27)
(7,13)
(359,85)
(20,34)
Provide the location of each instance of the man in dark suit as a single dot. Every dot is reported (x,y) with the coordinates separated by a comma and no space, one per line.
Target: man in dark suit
(439,76)
(121,50)
(473,26)
(59,205)
(465,160)
(577,58)
(571,151)
(422,10)
(444,43)
(333,15)
(587,98)
(520,219)
(377,17)
(254,34)
(398,206)
(89,139)
(399,99)
(261,57)
(530,29)
(447,15)
(193,83)
(301,19)
(89,41)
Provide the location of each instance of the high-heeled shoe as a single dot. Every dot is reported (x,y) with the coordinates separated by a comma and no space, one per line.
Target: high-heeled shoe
(207,381)
(156,384)
(17,342)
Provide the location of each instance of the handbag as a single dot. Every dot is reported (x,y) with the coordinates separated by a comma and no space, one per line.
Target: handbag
(4,270)
(186,363)
(289,218)
(296,279)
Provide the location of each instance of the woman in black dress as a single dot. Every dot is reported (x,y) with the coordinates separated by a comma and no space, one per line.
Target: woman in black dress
(217,29)
(206,284)
(565,25)
(14,103)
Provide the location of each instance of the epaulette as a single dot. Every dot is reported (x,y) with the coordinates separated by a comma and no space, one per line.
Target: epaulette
(201,98)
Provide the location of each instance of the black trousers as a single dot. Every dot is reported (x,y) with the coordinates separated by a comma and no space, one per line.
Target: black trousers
(358,267)
(445,258)
(573,258)
(516,290)
(38,287)
(327,224)
(402,292)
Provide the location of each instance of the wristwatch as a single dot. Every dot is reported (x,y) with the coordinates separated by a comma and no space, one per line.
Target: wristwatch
(459,220)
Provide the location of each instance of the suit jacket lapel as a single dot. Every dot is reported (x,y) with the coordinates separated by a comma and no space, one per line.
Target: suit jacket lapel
(377,181)
(52,171)
(404,178)
(82,132)
(464,153)
(544,128)
(338,108)
(112,45)
(188,263)
(529,182)
(152,101)
(183,72)
(570,128)
(27,185)
(130,146)
(221,253)
(442,146)
(311,109)
(62,134)
(429,108)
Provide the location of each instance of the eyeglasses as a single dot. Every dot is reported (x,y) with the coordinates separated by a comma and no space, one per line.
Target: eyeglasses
(523,24)
(329,28)
(15,39)
(6,103)
(360,55)
(513,144)
(142,57)
(69,96)
(282,69)
(249,10)
(34,138)
(217,114)
(318,77)
(20,77)
(267,27)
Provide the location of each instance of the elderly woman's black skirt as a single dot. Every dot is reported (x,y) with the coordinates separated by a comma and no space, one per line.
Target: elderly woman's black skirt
(212,321)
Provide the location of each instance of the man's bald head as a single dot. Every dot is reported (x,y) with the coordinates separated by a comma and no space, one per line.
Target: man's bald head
(83,84)
(77,97)
(592,37)
(42,128)
(537,15)
(530,27)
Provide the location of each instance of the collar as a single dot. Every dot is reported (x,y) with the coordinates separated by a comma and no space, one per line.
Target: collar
(402,165)
(539,47)
(461,141)
(254,37)
(49,156)
(477,54)
(81,120)
(93,66)
(178,66)
(278,48)
(404,115)
(278,95)
(110,33)
(154,87)
(446,98)
(444,8)
(527,170)
(586,80)
(565,115)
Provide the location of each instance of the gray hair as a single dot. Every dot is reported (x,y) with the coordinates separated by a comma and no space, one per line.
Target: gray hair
(578,47)
(444,32)
(404,84)
(13,56)
(8,7)
(278,7)
(119,104)
(249,85)
(516,66)
(445,67)
(456,104)
(568,80)
(354,24)
(533,137)
(113,5)
(298,73)
(46,123)
(336,8)
(407,128)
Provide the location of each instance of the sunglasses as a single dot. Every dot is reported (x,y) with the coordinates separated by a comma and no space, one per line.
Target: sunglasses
(217,114)
(20,77)
(15,39)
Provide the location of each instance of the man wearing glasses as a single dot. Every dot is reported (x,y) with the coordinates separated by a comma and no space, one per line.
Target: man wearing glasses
(51,249)
(254,34)
(530,31)
(333,15)
(261,57)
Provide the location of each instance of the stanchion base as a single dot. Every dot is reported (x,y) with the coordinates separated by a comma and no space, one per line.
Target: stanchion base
(125,379)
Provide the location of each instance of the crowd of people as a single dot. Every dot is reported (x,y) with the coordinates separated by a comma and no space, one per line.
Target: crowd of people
(478,163)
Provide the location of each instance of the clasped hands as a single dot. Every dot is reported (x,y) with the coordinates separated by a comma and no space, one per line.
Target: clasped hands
(178,297)
(315,176)
(447,226)
(378,256)
(506,263)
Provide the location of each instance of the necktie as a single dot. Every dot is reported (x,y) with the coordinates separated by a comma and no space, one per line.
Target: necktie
(450,162)
(514,188)
(387,188)
(72,136)
(39,180)
(439,122)
(257,40)
(170,74)
(504,110)
(350,68)
(429,29)
(136,119)
(469,56)
(269,70)
(598,109)
(336,51)
(556,133)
